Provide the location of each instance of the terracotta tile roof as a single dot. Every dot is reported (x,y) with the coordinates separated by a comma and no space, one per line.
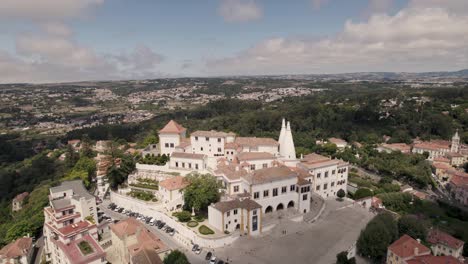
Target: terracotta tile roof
(405,247)
(184,155)
(76,256)
(211,133)
(436,236)
(314,157)
(432,145)
(126,227)
(230,171)
(17,248)
(255,141)
(172,128)
(147,243)
(441,166)
(254,156)
(270,175)
(226,206)
(337,141)
(174,183)
(430,259)
(20,197)
(454,155)
(230,145)
(441,159)
(402,147)
(185,142)
(459,179)
(146,256)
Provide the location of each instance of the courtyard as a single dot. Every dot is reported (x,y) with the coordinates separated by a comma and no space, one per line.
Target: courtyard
(336,230)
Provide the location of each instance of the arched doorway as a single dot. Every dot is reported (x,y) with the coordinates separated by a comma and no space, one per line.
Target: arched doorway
(280,207)
(291,204)
(269,209)
(237,227)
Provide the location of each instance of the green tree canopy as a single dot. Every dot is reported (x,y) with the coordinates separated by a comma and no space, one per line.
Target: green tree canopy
(202,191)
(410,225)
(379,233)
(176,257)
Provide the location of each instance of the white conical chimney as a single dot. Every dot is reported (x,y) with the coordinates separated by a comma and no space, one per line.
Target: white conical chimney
(282,132)
(287,149)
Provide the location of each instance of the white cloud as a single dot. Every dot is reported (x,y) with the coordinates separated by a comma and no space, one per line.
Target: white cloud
(240,10)
(414,39)
(454,6)
(50,10)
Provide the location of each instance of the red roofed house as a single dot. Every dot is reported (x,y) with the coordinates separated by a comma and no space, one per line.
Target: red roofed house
(404,249)
(170,137)
(18,251)
(444,244)
(18,201)
(171,191)
(458,187)
(429,259)
(133,243)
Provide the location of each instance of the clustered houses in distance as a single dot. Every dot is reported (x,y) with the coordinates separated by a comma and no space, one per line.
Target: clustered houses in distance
(260,175)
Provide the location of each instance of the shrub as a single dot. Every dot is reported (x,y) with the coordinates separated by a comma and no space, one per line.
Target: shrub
(341,193)
(183,216)
(192,223)
(199,218)
(176,257)
(204,230)
(85,248)
(363,192)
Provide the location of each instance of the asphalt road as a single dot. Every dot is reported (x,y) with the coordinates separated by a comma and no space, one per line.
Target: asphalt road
(166,238)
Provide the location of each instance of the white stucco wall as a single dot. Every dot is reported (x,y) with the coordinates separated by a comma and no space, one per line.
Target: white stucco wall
(168,142)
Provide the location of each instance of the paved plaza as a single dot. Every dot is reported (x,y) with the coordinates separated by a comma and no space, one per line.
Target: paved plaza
(290,242)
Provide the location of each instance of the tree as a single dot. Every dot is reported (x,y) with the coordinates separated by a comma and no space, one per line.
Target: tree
(342,258)
(379,233)
(341,194)
(202,191)
(413,227)
(176,257)
(363,192)
(86,149)
(71,157)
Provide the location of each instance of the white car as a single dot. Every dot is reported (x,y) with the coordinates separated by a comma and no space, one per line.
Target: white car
(213,260)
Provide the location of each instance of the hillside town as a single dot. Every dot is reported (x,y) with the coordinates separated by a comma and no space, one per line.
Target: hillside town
(263,188)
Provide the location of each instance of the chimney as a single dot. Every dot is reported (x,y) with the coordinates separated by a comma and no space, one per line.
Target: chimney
(416,251)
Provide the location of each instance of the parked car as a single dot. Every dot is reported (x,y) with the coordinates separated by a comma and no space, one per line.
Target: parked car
(220,262)
(161,225)
(213,260)
(198,251)
(195,247)
(172,232)
(208,255)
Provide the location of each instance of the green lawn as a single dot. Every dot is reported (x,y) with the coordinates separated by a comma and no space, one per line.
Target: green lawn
(204,230)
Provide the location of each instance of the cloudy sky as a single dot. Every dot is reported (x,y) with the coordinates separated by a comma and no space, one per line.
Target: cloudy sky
(72,40)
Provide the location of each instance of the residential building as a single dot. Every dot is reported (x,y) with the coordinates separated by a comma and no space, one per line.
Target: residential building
(18,201)
(405,249)
(429,259)
(327,175)
(340,143)
(443,244)
(442,148)
(458,186)
(402,147)
(188,161)
(18,251)
(171,191)
(70,231)
(133,243)
(456,159)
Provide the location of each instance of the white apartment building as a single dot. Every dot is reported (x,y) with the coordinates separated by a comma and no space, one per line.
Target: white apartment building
(327,175)
(70,231)
(188,161)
